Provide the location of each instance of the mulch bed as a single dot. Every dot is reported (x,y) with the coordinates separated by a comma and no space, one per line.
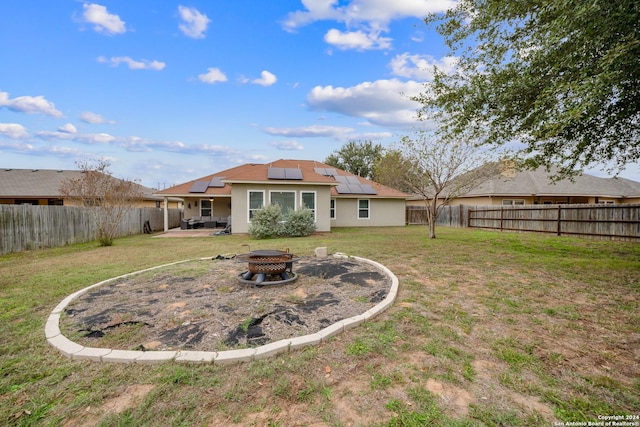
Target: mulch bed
(200,305)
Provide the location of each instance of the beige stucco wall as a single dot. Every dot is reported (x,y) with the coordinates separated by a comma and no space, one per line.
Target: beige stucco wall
(382,213)
(240,197)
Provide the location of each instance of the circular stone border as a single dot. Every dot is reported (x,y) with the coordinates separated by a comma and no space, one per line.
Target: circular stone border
(76,351)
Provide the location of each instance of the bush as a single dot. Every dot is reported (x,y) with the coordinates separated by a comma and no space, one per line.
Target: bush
(271,222)
(299,223)
(267,222)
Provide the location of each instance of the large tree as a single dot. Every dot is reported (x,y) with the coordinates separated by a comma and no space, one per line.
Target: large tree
(108,199)
(561,77)
(357,157)
(440,171)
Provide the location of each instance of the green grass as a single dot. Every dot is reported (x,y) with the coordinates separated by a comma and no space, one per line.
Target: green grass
(501,318)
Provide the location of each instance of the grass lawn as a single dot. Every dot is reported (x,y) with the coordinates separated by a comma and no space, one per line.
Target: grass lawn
(489,328)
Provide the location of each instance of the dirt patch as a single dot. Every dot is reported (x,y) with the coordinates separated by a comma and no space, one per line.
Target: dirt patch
(200,305)
(130,397)
(457,398)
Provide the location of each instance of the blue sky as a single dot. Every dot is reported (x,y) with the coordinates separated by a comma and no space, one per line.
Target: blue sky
(171,91)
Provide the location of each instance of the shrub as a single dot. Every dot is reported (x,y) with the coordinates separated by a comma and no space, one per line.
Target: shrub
(299,223)
(271,222)
(267,222)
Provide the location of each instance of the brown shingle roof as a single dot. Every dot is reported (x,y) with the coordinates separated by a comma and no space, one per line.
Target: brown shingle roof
(259,173)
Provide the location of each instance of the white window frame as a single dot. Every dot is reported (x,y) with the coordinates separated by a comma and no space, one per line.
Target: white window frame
(513,202)
(249,210)
(295,196)
(332,209)
(367,209)
(315,202)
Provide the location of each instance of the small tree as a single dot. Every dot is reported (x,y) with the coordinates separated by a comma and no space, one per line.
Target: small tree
(357,158)
(440,171)
(107,198)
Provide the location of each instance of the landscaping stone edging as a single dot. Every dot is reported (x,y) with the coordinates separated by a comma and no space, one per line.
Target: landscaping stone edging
(76,351)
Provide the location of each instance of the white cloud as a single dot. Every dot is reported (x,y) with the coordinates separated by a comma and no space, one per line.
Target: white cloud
(266,79)
(380,12)
(381,102)
(358,40)
(29,105)
(47,151)
(310,131)
(137,144)
(421,66)
(287,145)
(212,76)
(365,20)
(95,138)
(143,64)
(194,23)
(13,130)
(102,20)
(94,118)
(68,128)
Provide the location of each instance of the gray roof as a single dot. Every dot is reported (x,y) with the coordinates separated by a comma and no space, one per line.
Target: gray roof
(537,183)
(36,183)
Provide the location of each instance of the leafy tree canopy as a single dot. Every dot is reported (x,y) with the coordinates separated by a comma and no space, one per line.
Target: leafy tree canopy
(357,157)
(562,77)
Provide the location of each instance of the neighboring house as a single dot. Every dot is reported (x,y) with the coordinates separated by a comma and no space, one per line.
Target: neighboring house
(42,187)
(530,187)
(337,198)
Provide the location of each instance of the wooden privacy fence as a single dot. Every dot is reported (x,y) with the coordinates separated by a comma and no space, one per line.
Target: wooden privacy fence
(620,222)
(450,216)
(27,227)
(605,221)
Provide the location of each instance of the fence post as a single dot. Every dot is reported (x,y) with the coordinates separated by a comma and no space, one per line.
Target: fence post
(501,216)
(559,232)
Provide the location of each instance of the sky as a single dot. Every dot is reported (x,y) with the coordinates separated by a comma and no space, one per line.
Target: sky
(173,91)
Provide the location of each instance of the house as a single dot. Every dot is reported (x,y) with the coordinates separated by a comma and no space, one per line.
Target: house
(530,187)
(337,198)
(42,187)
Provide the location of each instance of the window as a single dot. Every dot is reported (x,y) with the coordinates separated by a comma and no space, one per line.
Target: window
(332,209)
(205,207)
(286,200)
(309,201)
(256,202)
(512,202)
(363,208)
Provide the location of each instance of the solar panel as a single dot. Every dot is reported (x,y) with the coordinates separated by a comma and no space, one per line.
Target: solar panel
(326,171)
(367,189)
(355,189)
(275,173)
(199,187)
(352,180)
(216,182)
(341,179)
(293,173)
(343,189)
(284,173)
